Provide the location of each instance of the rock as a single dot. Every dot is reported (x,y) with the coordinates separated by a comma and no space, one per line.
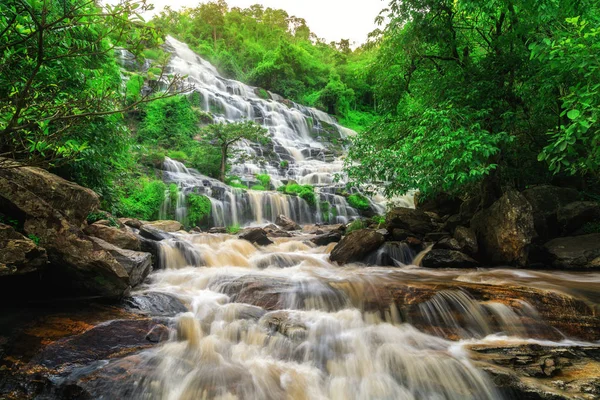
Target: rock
(137,264)
(505,230)
(447,243)
(150,232)
(165,226)
(159,333)
(400,234)
(74,202)
(436,236)
(356,246)
(574,216)
(106,222)
(326,238)
(409,219)
(452,223)
(468,208)
(114,236)
(442,258)
(132,222)
(545,201)
(287,224)
(156,304)
(441,204)
(217,229)
(256,236)
(467,240)
(274,231)
(577,252)
(196,230)
(19,254)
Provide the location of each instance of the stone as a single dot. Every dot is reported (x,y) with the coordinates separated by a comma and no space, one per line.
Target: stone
(218,229)
(274,231)
(19,254)
(441,204)
(326,238)
(117,237)
(574,216)
(447,243)
(436,236)
(400,234)
(452,223)
(287,224)
(159,333)
(576,252)
(505,230)
(256,236)
(132,222)
(355,246)
(137,264)
(545,201)
(155,304)
(409,219)
(442,258)
(467,240)
(150,232)
(74,202)
(165,225)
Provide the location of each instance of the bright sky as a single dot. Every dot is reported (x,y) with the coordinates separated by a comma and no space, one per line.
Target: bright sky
(329,19)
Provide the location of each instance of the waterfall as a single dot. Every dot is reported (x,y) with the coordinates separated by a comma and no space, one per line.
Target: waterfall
(307,146)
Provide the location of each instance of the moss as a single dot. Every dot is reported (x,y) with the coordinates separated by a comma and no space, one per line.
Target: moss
(263,94)
(354,226)
(284,164)
(306,192)
(199,208)
(264,179)
(258,187)
(234,229)
(359,202)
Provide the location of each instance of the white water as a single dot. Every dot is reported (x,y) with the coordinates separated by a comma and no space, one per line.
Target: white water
(299,152)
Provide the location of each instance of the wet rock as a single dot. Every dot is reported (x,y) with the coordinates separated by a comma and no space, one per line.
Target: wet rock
(505,230)
(574,216)
(217,229)
(442,258)
(326,238)
(158,333)
(165,226)
(256,236)
(19,254)
(436,236)
(452,223)
(132,222)
(400,234)
(73,201)
(152,247)
(150,232)
(287,224)
(576,252)
(441,204)
(467,239)
(409,219)
(447,243)
(355,246)
(155,304)
(195,230)
(545,201)
(274,231)
(117,237)
(137,264)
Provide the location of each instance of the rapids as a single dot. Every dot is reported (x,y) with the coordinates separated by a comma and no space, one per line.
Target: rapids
(282,322)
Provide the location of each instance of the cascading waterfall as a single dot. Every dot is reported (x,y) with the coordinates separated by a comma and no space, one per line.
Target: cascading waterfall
(307,148)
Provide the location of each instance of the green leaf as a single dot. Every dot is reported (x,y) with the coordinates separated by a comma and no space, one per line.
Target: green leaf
(573,114)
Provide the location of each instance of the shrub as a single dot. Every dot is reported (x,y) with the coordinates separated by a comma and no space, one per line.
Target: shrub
(235,182)
(284,164)
(258,187)
(142,199)
(178,155)
(359,202)
(234,229)
(199,208)
(354,226)
(264,179)
(306,192)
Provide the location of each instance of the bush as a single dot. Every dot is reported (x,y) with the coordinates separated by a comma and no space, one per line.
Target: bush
(264,179)
(284,164)
(355,225)
(258,187)
(142,199)
(359,202)
(235,182)
(199,208)
(234,229)
(306,192)
(100,215)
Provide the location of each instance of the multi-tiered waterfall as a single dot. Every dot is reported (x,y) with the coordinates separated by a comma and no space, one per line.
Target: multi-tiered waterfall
(306,147)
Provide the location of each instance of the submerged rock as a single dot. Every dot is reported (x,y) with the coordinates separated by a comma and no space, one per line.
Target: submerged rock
(287,224)
(19,254)
(326,238)
(505,230)
(355,246)
(577,252)
(256,236)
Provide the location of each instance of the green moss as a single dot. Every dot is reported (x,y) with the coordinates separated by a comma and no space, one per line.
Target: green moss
(258,187)
(264,179)
(178,155)
(263,94)
(234,229)
(354,226)
(359,202)
(284,164)
(306,192)
(199,208)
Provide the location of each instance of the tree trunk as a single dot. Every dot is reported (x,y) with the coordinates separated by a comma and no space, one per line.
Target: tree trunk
(223,162)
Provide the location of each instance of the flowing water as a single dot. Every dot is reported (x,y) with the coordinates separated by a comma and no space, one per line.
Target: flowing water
(307,147)
(282,322)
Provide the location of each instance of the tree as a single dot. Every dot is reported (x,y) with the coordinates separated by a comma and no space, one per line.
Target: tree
(58,74)
(225,135)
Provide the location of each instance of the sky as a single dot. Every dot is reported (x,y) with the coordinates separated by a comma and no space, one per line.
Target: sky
(329,19)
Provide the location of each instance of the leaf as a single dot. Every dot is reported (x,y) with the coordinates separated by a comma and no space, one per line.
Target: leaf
(573,114)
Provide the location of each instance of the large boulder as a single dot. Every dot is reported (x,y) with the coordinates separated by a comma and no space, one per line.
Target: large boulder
(137,264)
(443,258)
(74,202)
(256,236)
(19,254)
(117,237)
(573,216)
(545,201)
(287,224)
(326,238)
(165,225)
(467,239)
(409,219)
(505,230)
(576,252)
(442,204)
(356,246)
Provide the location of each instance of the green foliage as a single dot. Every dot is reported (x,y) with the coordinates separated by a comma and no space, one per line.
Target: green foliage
(35,239)
(355,225)
(169,122)
(379,220)
(100,215)
(133,88)
(258,187)
(359,202)
(173,193)
(264,179)
(235,182)
(591,227)
(284,164)
(306,192)
(199,209)
(234,229)
(142,199)
(9,221)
